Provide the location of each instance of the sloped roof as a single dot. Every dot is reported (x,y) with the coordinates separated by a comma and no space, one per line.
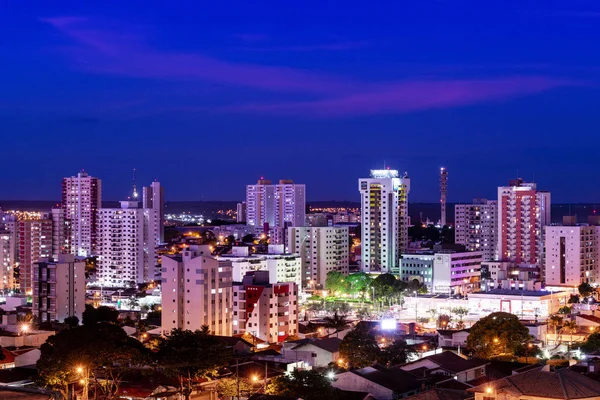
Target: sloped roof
(454,363)
(331,345)
(541,382)
(590,318)
(439,394)
(397,380)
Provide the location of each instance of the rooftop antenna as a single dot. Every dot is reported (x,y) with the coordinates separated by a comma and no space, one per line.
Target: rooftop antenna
(135,193)
(443,194)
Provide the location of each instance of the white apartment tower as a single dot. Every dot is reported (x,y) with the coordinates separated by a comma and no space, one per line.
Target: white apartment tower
(125,250)
(58,288)
(279,205)
(7,259)
(572,255)
(523,212)
(476,226)
(154,201)
(322,250)
(197,291)
(81,200)
(384,218)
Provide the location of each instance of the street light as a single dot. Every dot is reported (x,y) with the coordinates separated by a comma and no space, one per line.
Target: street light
(25,328)
(254,378)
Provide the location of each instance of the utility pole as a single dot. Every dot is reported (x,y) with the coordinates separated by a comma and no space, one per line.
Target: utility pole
(237,374)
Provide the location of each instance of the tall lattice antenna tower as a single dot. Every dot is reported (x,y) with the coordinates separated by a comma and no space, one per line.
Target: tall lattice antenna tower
(135,192)
(443,194)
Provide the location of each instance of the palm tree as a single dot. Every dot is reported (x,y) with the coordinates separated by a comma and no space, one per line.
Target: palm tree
(570,327)
(133,302)
(556,321)
(337,322)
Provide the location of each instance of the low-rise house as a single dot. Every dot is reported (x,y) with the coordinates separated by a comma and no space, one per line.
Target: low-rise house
(382,383)
(314,352)
(448,338)
(447,364)
(238,345)
(541,383)
(588,321)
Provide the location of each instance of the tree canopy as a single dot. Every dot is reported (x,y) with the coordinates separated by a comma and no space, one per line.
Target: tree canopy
(498,333)
(187,355)
(307,385)
(359,348)
(93,315)
(103,350)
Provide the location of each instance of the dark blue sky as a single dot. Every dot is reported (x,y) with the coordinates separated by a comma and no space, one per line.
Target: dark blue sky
(209,96)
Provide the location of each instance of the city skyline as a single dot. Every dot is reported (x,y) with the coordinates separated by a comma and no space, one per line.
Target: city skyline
(494,93)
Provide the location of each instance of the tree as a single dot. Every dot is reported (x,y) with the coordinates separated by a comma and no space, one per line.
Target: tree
(443,321)
(359,283)
(496,334)
(556,322)
(336,322)
(72,322)
(565,310)
(228,387)
(249,238)
(570,327)
(585,289)
(359,348)
(93,315)
(397,353)
(592,343)
(188,355)
(461,312)
(307,385)
(336,282)
(133,302)
(102,351)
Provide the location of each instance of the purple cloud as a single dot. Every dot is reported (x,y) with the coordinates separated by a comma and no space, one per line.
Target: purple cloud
(102,51)
(405,97)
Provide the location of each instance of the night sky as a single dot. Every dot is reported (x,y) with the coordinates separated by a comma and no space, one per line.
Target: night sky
(208,96)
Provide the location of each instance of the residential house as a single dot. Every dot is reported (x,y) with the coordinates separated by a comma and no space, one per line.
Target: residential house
(541,383)
(448,364)
(382,383)
(449,338)
(315,352)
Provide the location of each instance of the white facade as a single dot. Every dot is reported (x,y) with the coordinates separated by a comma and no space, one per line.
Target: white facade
(448,272)
(523,211)
(476,226)
(124,254)
(384,219)
(267,311)
(196,291)
(153,197)
(58,288)
(81,200)
(59,242)
(281,267)
(7,259)
(282,204)
(572,255)
(322,250)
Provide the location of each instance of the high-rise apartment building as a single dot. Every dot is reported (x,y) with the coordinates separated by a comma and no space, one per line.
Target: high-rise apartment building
(240,215)
(322,250)
(281,205)
(125,250)
(265,310)
(572,255)
(34,242)
(58,288)
(523,212)
(384,218)
(197,291)
(476,226)
(154,203)
(281,266)
(81,200)
(59,242)
(7,259)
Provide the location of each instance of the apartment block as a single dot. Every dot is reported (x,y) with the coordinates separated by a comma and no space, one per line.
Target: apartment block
(197,291)
(476,226)
(267,311)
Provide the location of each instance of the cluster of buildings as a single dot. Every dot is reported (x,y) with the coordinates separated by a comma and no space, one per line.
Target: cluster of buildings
(42,253)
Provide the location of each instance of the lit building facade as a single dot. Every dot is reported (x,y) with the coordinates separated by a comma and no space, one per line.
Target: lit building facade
(476,226)
(34,242)
(322,250)
(125,248)
(384,219)
(267,311)
(58,288)
(7,259)
(81,200)
(523,212)
(572,255)
(153,201)
(281,205)
(197,291)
